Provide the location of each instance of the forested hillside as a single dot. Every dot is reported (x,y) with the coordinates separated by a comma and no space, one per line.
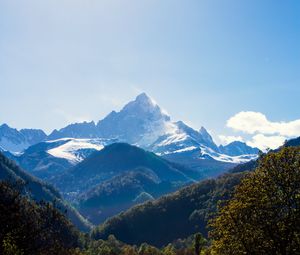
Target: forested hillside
(185,212)
(122,192)
(116,159)
(39,191)
(178,215)
(29,227)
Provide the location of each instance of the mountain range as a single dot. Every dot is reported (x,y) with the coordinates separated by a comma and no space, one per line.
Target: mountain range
(129,157)
(141,122)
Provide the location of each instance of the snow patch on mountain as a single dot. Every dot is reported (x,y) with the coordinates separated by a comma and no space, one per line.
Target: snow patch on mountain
(153,131)
(173,138)
(191,148)
(73,150)
(226,158)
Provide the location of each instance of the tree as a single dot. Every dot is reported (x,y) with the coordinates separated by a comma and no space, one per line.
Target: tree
(199,243)
(169,250)
(263,217)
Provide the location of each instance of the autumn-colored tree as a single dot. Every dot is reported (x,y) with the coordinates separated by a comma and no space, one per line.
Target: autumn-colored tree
(263,217)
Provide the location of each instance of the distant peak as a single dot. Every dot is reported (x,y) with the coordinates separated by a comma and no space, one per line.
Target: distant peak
(205,133)
(180,123)
(143,97)
(143,103)
(206,136)
(4,125)
(203,130)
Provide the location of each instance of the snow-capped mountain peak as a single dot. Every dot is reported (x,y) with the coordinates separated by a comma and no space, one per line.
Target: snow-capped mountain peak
(15,140)
(140,122)
(144,106)
(144,99)
(206,136)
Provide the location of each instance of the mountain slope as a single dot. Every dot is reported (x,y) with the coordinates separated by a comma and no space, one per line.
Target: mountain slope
(118,177)
(174,216)
(201,162)
(122,192)
(77,130)
(46,159)
(37,161)
(116,159)
(28,227)
(38,190)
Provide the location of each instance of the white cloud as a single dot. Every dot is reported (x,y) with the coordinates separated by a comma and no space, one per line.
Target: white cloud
(256,122)
(263,132)
(226,139)
(264,142)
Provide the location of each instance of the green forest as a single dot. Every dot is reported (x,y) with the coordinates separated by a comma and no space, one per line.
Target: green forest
(247,212)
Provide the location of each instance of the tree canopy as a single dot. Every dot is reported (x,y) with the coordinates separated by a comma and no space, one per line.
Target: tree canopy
(263,217)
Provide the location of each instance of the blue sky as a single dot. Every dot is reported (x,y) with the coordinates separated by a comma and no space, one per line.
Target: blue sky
(203,61)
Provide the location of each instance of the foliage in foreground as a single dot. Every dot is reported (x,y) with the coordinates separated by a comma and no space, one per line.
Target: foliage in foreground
(194,245)
(27,227)
(263,217)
